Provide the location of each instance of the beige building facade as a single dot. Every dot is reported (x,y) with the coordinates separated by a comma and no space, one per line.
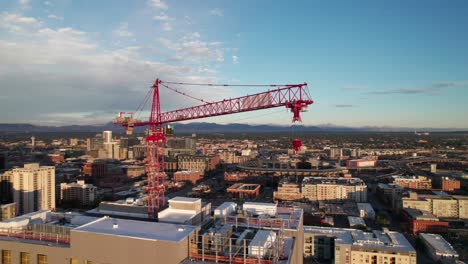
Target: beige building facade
(33,188)
(442,206)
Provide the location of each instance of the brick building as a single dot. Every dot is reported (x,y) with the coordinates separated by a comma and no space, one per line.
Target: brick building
(191,176)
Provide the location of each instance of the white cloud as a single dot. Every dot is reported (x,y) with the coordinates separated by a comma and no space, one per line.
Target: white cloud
(48,3)
(71,78)
(122,31)
(55,17)
(191,49)
(18,23)
(23,2)
(166,26)
(217,12)
(235,59)
(158,4)
(163,17)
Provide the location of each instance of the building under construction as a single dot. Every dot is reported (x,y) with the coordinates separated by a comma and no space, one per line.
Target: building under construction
(257,233)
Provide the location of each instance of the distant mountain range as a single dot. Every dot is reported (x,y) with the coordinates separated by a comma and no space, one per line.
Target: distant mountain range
(215,128)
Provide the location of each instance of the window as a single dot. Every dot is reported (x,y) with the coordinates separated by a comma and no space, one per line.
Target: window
(88,262)
(74,261)
(6,256)
(25,258)
(42,259)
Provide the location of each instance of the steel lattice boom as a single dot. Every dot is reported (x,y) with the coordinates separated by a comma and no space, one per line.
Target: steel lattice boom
(293,96)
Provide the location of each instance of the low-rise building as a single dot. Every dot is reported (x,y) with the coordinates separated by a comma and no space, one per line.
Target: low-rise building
(201,164)
(244,190)
(423,221)
(438,248)
(440,204)
(344,245)
(412,182)
(191,176)
(85,194)
(450,184)
(288,191)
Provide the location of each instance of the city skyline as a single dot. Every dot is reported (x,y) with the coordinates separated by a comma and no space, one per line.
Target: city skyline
(393,64)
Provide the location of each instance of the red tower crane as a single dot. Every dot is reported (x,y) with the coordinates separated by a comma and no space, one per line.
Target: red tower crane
(295,97)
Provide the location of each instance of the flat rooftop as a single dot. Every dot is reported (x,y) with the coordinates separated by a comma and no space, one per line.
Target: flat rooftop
(332,181)
(378,240)
(441,245)
(184,199)
(176,215)
(137,229)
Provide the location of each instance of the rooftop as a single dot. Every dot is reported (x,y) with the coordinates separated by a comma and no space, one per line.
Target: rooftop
(333,181)
(184,199)
(420,214)
(378,240)
(137,229)
(439,244)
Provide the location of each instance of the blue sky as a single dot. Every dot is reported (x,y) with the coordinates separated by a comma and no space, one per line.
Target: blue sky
(368,63)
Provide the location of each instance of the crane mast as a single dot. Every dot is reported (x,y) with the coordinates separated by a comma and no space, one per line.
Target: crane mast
(293,96)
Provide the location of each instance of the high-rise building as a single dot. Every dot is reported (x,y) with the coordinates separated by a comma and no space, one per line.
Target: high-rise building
(33,188)
(110,150)
(107,136)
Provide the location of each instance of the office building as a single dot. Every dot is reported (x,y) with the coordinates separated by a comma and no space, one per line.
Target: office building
(33,188)
(350,246)
(84,194)
(334,189)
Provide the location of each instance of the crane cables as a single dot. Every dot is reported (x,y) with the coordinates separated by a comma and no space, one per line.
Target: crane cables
(182,93)
(238,85)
